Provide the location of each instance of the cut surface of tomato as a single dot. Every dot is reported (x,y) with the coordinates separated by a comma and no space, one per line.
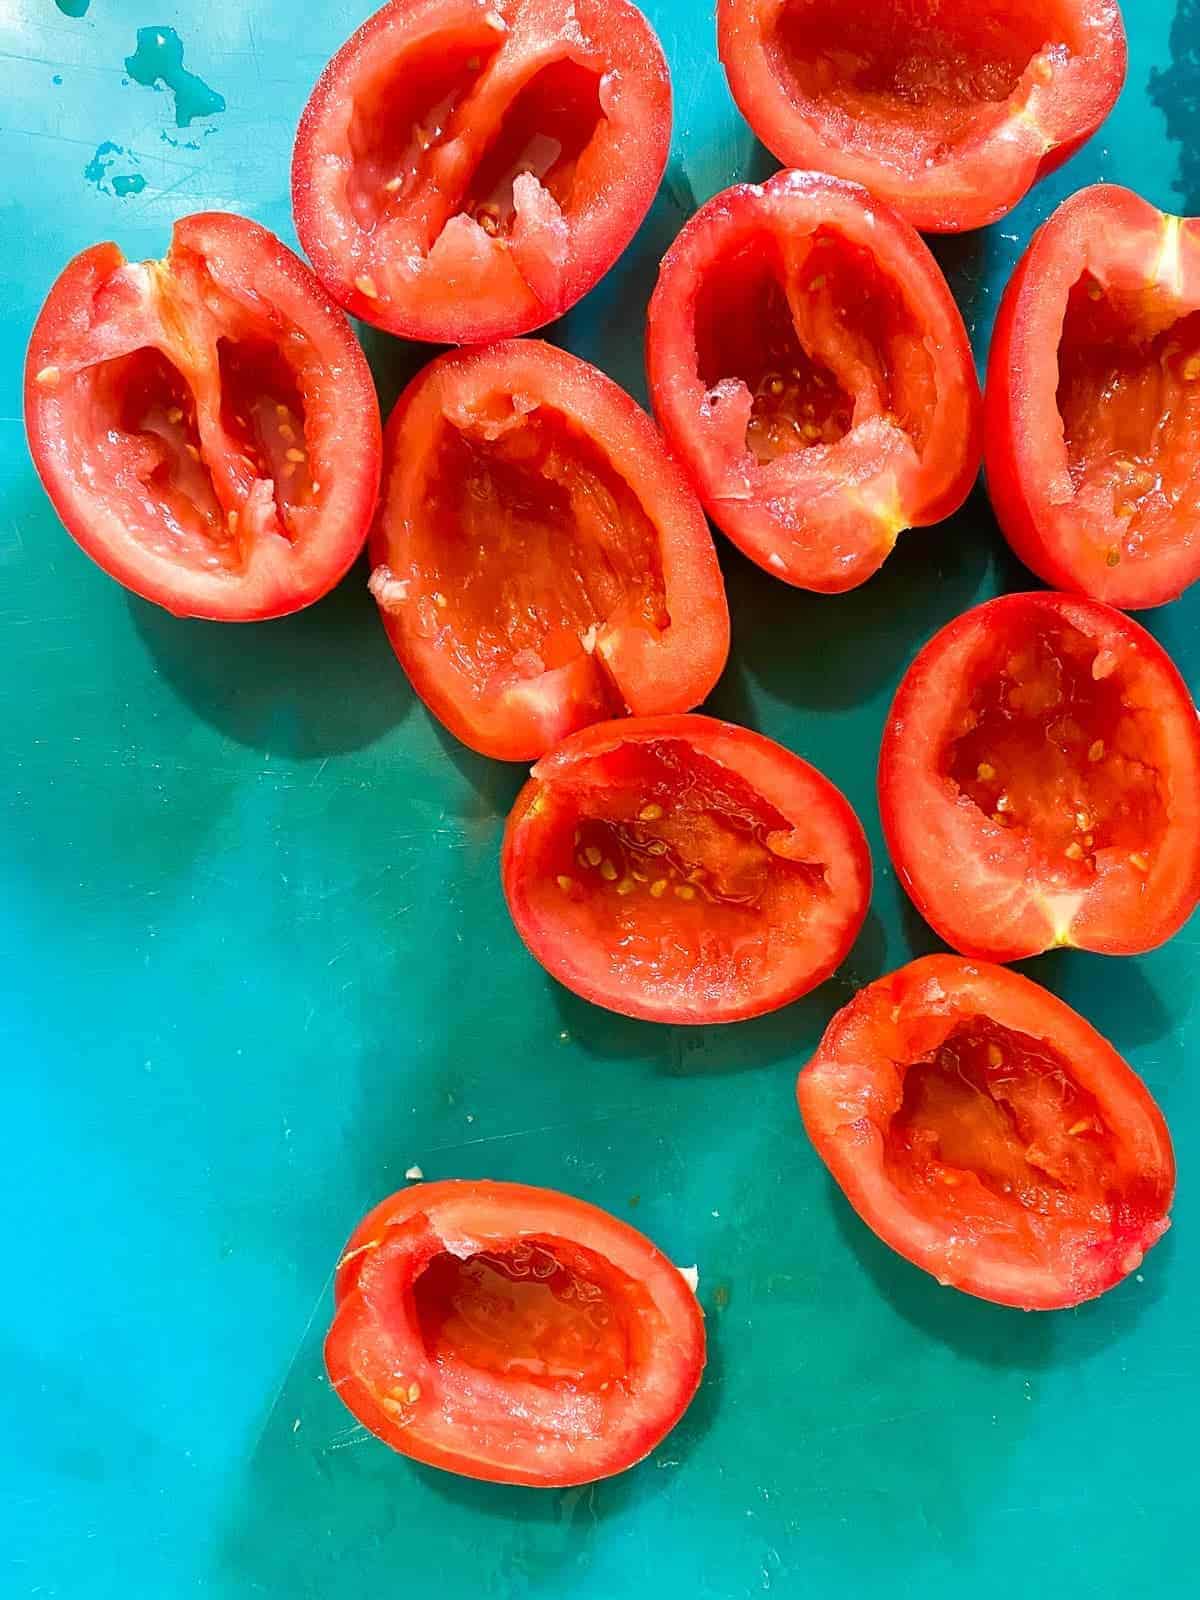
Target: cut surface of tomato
(1039,782)
(512,1334)
(950,110)
(811,370)
(989,1134)
(466,170)
(205,425)
(539,560)
(685,870)
(1093,401)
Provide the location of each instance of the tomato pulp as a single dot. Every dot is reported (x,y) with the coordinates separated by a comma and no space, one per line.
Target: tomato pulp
(1093,401)
(539,560)
(811,370)
(950,110)
(989,1134)
(512,1334)
(206,425)
(684,870)
(466,170)
(1039,782)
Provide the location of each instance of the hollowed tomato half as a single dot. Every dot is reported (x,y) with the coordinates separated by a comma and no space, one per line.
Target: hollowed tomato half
(684,870)
(512,1334)
(1039,782)
(466,170)
(205,425)
(989,1134)
(539,560)
(950,110)
(811,370)
(1093,401)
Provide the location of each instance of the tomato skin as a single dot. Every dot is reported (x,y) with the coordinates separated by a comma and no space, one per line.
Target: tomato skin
(503,1429)
(458,287)
(851,1091)
(984,890)
(506,711)
(823,518)
(102,307)
(577,955)
(1124,241)
(979,167)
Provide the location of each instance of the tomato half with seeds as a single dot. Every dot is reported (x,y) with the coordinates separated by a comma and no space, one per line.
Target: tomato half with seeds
(466,170)
(540,562)
(684,870)
(989,1134)
(512,1334)
(205,425)
(1039,782)
(810,368)
(950,110)
(1093,401)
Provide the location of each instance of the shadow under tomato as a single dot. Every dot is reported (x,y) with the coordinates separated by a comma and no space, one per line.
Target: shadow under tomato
(321,682)
(495,784)
(394,362)
(1176,93)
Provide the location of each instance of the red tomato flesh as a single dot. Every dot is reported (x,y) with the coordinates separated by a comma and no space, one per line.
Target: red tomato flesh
(684,870)
(989,1134)
(1093,401)
(950,110)
(1040,782)
(512,1334)
(466,170)
(540,562)
(809,367)
(206,426)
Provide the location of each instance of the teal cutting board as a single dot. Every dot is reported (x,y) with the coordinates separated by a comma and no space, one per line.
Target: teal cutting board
(255,964)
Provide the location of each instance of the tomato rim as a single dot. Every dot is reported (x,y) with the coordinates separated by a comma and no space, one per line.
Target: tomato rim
(963,182)
(851,1091)
(933,828)
(1125,246)
(823,825)
(252,268)
(822,517)
(565,253)
(379,1364)
(617,662)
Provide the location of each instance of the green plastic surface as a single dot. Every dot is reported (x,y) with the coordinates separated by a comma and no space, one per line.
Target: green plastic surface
(255,964)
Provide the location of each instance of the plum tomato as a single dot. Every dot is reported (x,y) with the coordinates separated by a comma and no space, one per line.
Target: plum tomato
(684,870)
(950,110)
(1039,782)
(205,425)
(810,368)
(539,560)
(1093,401)
(466,170)
(989,1134)
(512,1334)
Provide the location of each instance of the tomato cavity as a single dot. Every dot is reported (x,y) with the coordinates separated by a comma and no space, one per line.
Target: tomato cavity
(994,1135)
(1048,747)
(541,1312)
(1129,398)
(834,344)
(913,77)
(531,544)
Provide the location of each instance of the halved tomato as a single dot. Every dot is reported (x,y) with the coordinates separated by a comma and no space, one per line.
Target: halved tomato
(1039,782)
(811,370)
(512,1334)
(1093,401)
(951,110)
(685,870)
(205,425)
(540,561)
(466,170)
(989,1134)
